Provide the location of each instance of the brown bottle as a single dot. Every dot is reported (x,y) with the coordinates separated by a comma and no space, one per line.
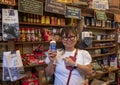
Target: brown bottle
(28,18)
(38,20)
(47,20)
(43,20)
(24,18)
(31,18)
(35,19)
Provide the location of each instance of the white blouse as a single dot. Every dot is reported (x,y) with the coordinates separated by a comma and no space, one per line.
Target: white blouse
(61,73)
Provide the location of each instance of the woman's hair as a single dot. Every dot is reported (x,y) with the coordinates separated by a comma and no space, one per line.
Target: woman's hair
(67,31)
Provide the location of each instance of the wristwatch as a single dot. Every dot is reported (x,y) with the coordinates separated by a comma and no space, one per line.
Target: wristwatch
(75,66)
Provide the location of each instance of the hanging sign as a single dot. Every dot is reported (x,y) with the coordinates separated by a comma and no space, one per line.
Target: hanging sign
(30,6)
(117,17)
(99,4)
(8,2)
(10,25)
(101,15)
(73,12)
(54,7)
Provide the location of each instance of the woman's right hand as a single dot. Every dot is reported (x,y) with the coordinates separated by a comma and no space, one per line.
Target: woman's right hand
(52,55)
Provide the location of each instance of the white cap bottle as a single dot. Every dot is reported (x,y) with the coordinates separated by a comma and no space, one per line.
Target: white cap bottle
(53,45)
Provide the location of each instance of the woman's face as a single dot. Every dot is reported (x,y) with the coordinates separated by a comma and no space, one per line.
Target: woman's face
(69,41)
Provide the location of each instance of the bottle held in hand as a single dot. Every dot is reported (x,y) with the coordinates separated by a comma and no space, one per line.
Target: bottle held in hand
(53,46)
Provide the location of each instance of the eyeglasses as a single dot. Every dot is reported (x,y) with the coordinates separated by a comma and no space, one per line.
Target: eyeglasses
(70,38)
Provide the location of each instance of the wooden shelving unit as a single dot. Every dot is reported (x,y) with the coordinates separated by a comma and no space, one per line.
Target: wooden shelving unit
(100,28)
(102,37)
(86,12)
(102,73)
(39,42)
(4,43)
(90,48)
(107,40)
(36,65)
(102,55)
(39,24)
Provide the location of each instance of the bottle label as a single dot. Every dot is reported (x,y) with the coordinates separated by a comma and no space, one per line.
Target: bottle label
(53,46)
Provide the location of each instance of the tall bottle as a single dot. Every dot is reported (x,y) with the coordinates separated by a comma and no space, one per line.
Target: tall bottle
(53,46)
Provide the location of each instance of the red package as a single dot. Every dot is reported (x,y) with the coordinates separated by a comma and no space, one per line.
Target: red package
(70,67)
(32,82)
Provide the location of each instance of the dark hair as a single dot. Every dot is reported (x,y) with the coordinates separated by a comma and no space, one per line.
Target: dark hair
(66,31)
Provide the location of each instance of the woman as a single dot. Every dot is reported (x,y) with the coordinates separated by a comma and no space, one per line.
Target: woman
(80,66)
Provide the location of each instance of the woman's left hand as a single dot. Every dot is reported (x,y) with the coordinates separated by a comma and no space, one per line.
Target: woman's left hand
(68,61)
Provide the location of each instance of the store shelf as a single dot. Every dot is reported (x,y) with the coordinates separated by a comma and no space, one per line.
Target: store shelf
(40,65)
(102,55)
(102,73)
(30,66)
(107,40)
(38,24)
(3,43)
(100,47)
(37,42)
(100,28)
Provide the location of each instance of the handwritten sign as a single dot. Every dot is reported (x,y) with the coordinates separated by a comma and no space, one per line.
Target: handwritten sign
(30,6)
(54,7)
(99,4)
(101,15)
(73,12)
(8,2)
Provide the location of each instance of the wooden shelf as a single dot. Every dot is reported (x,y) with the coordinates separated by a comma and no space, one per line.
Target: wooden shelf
(38,24)
(30,66)
(39,42)
(101,74)
(100,28)
(90,48)
(3,43)
(102,55)
(36,42)
(107,40)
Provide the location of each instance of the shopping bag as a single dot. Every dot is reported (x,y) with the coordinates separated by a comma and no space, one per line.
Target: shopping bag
(5,73)
(14,64)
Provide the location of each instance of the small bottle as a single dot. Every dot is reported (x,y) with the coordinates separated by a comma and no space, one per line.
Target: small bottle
(24,18)
(35,19)
(53,45)
(31,18)
(28,18)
